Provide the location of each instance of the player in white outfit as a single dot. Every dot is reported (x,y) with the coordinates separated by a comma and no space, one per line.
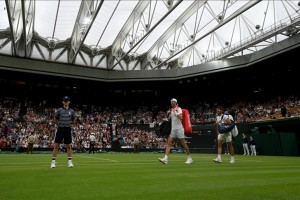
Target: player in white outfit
(224,137)
(177,131)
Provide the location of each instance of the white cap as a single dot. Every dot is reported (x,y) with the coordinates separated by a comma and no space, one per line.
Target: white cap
(92,133)
(175,100)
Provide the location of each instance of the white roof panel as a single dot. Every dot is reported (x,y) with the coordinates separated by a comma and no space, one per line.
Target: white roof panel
(201,36)
(4,24)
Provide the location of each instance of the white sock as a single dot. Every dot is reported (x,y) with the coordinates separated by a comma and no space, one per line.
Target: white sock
(219,156)
(166,157)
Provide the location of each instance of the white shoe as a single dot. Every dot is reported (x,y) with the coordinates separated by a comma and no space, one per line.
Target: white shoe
(163,160)
(189,160)
(52,164)
(70,164)
(217,160)
(232,161)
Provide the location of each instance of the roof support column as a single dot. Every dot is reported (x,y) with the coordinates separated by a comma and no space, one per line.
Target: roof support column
(87,13)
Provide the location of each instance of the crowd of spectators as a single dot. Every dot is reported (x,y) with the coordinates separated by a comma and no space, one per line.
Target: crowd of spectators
(114,127)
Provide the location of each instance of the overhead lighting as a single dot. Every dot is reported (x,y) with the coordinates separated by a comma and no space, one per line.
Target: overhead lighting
(257,91)
(86,20)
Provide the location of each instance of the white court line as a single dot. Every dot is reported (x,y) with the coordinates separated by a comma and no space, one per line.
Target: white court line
(253,161)
(98,158)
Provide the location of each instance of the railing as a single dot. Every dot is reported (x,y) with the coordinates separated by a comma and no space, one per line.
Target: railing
(257,37)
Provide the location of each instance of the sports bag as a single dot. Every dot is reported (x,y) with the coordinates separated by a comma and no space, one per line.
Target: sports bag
(186,121)
(165,128)
(225,128)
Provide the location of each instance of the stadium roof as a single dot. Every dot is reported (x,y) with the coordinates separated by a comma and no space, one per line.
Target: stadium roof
(143,35)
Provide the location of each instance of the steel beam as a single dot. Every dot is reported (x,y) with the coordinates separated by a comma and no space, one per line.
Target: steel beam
(14,13)
(4,43)
(133,18)
(87,13)
(144,36)
(228,19)
(175,26)
(28,13)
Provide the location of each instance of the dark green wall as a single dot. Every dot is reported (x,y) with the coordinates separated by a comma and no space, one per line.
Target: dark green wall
(277,144)
(275,137)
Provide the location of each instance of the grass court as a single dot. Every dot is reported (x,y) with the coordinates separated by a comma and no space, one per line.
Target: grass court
(128,176)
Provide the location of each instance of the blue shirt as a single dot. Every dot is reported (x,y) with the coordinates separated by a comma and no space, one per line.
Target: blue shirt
(65,117)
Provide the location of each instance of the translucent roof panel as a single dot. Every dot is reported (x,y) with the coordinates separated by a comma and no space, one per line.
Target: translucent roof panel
(5,46)
(108,23)
(56,18)
(144,35)
(163,25)
(45,17)
(4,24)
(244,31)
